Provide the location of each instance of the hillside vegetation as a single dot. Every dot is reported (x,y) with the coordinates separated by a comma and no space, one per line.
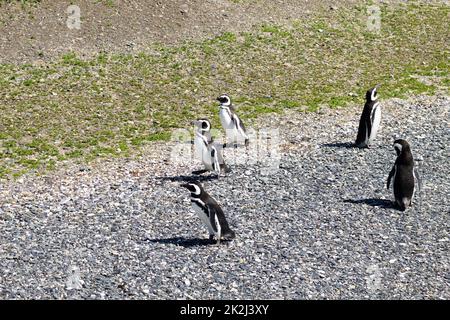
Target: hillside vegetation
(112,104)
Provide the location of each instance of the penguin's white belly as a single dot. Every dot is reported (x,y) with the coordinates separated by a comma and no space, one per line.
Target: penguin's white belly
(199,145)
(376,119)
(203,153)
(229,126)
(203,217)
(233,133)
(207,160)
(225,119)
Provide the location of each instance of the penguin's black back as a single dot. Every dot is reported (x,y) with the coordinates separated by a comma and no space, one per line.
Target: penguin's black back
(404,176)
(215,209)
(233,112)
(365,125)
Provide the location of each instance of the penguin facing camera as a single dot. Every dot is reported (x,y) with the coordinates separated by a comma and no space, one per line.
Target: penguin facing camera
(233,125)
(207,150)
(369,122)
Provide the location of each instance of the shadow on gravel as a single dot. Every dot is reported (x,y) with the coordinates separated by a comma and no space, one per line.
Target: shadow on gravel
(183,242)
(382,203)
(347,145)
(188,178)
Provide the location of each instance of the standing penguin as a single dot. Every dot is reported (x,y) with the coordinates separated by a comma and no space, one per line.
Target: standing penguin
(209,212)
(235,129)
(207,150)
(404,175)
(370,120)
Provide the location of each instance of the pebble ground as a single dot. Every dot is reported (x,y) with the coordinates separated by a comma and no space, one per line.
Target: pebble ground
(320,226)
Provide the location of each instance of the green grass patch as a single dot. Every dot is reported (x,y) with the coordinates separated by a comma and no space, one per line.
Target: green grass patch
(113,104)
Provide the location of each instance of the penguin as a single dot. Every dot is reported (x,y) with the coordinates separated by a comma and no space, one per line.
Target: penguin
(209,212)
(233,125)
(207,150)
(404,175)
(369,122)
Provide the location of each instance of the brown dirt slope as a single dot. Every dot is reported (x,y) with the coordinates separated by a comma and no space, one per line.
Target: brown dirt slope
(30,33)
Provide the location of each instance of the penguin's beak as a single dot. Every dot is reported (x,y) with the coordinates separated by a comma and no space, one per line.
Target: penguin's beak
(220,99)
(195,122)
(184,185)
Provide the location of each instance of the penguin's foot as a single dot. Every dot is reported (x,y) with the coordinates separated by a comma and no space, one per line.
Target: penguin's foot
(228,236)
(199,172)
(400,207)
(361,145)
(235,145)
(231,144)
(227,169)
(219,236)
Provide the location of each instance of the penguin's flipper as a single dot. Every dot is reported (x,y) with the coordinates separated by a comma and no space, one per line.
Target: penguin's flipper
(240,126)
(219,229)
(215,160)
(391,174)
(220,157)
(368,129)
(225,168)
(220,221)
(213,218)
(373,114)
(236,120)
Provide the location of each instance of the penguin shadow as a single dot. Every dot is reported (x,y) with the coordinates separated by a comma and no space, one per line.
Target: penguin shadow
(183,178)
(186,243)
(374,202)
(347,145)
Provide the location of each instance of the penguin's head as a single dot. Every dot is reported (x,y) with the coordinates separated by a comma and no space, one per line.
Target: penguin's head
(372,94)
(400,145)
(224,100)
(194,187)
(202,124)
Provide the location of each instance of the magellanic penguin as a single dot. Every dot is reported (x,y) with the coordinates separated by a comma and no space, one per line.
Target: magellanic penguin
(209,212)
(370,120)
(234,128)
(404,175)
(207,150)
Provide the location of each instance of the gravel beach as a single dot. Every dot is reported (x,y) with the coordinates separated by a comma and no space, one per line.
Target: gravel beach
(321,226)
